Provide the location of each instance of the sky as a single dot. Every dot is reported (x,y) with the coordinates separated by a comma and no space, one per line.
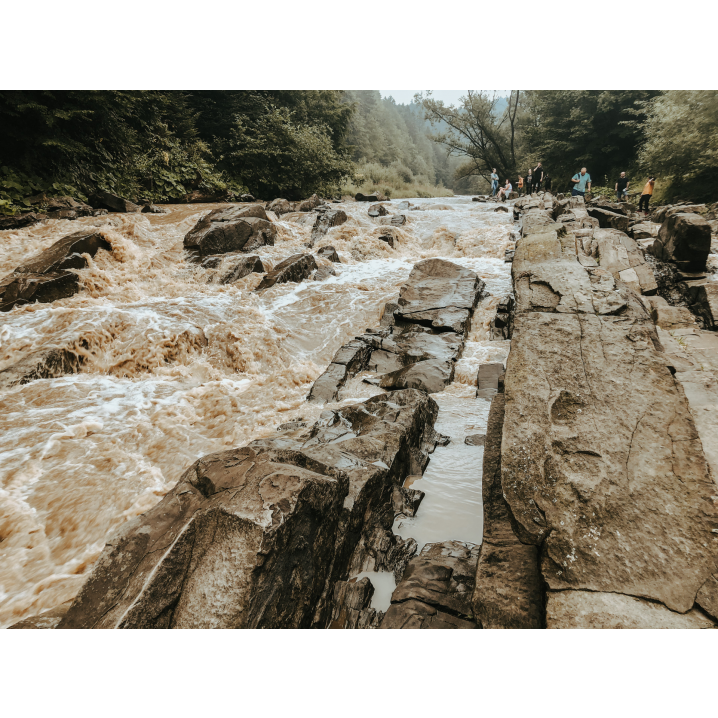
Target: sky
(404,97)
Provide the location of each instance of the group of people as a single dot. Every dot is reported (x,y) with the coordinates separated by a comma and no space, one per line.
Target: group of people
(580,184)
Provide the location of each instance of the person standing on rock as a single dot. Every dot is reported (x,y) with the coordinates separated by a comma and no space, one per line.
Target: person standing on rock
(581,183)
(646,194)
(520,185)
(538,177)
(622,187)
(529,183)
(494,182)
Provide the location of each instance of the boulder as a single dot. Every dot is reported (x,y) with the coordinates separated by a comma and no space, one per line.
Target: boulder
(260,537)
(501,208)
(644,230)
(395,220)
(111,202)
(240,266)
(436,588)
(323,273)
(308,204)
(280,207)
(390,236)
(351,605)
(18,221)
(293,269)
(231,229)
(328,252)
(326,219)
(44,363)
(440,294)
(44,277)
(246,198)
(375,197)
(475,440)
(153,209)
(431,376)
(406,501)
(684,239)
(349,360)
(378,210)
(608,219)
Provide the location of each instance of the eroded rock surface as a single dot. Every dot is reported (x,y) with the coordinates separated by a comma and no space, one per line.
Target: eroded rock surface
(684,238)
(44,277)
(231,229)
(260,536)
(293,269)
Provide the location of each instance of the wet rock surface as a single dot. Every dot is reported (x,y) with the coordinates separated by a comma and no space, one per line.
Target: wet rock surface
(326,219)
(260,536)
(232,229)
(112,202)
(421,336)
(436,589)
(44,278)
(293,269)
(685,239)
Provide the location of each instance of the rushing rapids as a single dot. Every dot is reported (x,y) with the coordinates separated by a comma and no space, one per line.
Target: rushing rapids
(174,365)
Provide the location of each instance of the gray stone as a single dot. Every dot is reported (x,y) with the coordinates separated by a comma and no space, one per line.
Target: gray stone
(105,200)
(293,269)
(684,239)
(378,210)
(326,220)
(430,376)
(475,440)
(279,207)
(328,252)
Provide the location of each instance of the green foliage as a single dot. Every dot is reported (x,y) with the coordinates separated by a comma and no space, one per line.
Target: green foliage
(598,129)
(395,181)
(681,141)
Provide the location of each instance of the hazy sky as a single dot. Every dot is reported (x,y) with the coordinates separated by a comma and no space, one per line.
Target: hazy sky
(404,97)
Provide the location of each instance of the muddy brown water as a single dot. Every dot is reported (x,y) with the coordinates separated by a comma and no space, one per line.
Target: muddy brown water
(177,366)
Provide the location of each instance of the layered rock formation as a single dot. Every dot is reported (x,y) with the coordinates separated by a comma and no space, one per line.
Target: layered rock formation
(421,337)
(606,497)
(259,537)
(292,269)
(45,277)
(231,229)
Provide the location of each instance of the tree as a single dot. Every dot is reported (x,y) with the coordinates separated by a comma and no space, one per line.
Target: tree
(681,139)
(599,129)
(483,130)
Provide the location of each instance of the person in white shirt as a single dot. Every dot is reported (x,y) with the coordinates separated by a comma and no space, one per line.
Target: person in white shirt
(505,191)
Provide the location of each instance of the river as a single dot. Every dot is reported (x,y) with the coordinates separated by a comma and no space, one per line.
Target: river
(177,366)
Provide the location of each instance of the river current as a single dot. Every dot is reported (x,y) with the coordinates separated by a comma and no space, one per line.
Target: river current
(176,365)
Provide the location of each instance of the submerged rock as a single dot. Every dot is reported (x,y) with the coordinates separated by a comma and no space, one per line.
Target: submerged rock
(18,221)
(231,229)
(328,252)
(326,219)
(378,210)
(293,269)
(44,277)
(376,197)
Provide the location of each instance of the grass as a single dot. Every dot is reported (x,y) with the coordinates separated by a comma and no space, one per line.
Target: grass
(396,181)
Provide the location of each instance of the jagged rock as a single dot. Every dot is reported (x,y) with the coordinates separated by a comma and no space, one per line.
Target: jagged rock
(325,220)
(153,209)
(105,200)
(661,214)
(441,295)
(588,609)
(430,376)
(280,207)
(406,501)
(351,605)
(389,236)
(376,197)
(18,221)
(246,198)
(684,239)
(436,589)
(502,322)
(231,229)
(378,210)
(508,592)
(491,376)
(405,345)
(706,304)
(44,277)
(348,362)
(308,204)
(328,252)
(293,269)
(241,266)
(395,220)
(621,255)
(501,208)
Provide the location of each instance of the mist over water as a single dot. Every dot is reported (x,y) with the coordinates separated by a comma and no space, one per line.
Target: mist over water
(176,365)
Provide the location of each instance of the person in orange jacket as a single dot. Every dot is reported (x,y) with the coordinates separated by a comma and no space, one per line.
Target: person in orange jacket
(646,194)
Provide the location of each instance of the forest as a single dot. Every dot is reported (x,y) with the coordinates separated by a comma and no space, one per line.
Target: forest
(162,145)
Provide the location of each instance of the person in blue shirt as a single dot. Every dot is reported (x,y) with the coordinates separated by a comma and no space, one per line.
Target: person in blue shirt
(494,182)
(581,183)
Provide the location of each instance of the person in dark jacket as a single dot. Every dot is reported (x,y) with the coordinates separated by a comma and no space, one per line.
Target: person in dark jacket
(529,183)
(538,177)
(547,183)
